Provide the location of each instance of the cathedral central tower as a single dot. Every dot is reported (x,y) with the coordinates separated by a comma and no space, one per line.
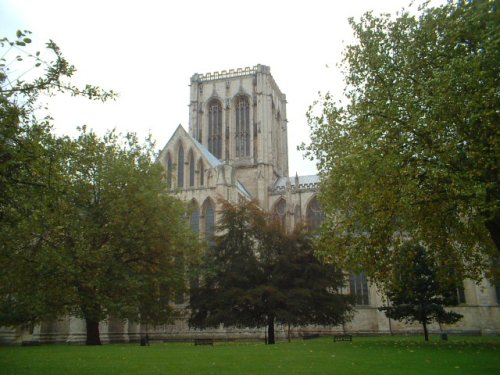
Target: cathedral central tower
(240,116)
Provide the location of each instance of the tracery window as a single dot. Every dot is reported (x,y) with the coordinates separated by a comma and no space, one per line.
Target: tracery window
(314,214)
(215,128)
(280,212)
(358,284)
(180,167)
(191,168)
(242,136)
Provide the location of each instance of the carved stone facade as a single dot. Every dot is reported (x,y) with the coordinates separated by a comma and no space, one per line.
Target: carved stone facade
(236,148)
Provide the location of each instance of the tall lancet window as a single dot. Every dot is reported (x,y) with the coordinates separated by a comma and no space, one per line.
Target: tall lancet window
(242,127)
(201,168)
(191,168)
(195,218)
(180,167)
(215,128)
(209,222)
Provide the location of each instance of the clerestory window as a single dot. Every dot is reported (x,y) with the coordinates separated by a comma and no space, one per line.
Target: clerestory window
(180,167)
(242,136)
(215,128)
(191,168)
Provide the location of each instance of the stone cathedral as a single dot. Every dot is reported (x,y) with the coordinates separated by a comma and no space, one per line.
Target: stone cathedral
(235,148)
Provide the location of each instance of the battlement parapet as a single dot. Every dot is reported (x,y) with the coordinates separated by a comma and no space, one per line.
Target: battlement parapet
(231,73)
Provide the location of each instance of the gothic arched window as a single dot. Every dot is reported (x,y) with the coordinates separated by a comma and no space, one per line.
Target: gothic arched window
(314,214)
(169,171)
(242,136)
(215,128)
(194,220)
(180,167)
(201,168)
(209,221)
(280,211)
(191,168)
(359,288)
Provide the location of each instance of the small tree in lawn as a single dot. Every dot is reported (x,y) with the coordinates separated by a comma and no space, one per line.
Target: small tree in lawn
(258,275)
(415,293)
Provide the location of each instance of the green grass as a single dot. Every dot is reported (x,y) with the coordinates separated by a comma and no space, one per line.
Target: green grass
(365,355)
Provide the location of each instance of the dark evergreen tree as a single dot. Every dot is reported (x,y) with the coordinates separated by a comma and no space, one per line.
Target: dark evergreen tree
(258,275)
(416,294)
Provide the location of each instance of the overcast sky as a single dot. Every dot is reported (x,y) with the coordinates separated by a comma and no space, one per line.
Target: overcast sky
(148,50)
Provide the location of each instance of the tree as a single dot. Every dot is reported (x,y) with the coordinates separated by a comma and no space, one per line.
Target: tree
(309,289)
(107,245)
(416,295)
(28,152)
(258,275)
(415,151)
(89,230)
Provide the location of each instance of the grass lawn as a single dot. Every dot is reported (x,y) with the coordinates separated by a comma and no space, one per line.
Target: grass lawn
(365,355)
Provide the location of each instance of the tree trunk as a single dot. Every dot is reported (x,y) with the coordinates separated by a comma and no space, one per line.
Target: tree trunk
(93,337)
(493,226)
(270,330)
(426,333)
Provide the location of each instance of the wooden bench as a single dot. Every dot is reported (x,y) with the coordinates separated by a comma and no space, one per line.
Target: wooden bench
(342,338)
(310,336)
(204,342)
(30,343)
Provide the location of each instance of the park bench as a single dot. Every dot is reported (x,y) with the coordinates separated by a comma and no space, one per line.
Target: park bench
(30,343)
(204,342)
(342,338)
(310,336)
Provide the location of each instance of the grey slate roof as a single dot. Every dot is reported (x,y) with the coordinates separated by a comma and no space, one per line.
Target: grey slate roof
(214,162)
(243,190)
(211,159)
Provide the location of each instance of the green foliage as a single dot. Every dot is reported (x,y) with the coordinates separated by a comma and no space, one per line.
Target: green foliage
(415,293)
(55,77)
(87,228)
(29,158)
(414,153)
(257,275)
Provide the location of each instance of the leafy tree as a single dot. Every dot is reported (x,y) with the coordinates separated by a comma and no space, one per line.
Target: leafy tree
(415,151)
(258,275)
(28,154)
(416,295)
(87,228)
